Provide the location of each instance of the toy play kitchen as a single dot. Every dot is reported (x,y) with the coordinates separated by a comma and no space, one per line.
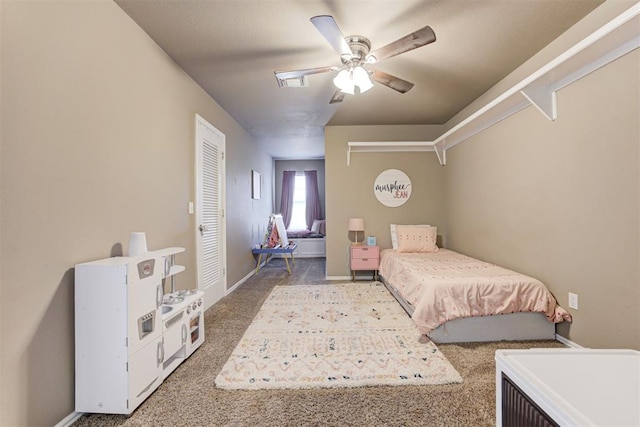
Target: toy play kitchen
(130,334)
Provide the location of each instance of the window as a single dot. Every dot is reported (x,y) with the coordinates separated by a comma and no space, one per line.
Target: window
(298,215)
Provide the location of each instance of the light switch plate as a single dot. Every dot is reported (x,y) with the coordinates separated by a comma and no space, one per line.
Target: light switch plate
(573,301)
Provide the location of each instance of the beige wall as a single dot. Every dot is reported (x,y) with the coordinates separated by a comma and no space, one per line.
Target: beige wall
(350,188)
(561,201)
(246,218)
(97,141)
(528,192)
(600,16)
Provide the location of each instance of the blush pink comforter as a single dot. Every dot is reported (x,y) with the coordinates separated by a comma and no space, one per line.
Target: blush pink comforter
(446,285)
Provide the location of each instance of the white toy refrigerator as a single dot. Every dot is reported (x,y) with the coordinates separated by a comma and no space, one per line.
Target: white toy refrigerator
(118,333)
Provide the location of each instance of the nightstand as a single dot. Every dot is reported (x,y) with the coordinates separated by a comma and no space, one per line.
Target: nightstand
(364,258)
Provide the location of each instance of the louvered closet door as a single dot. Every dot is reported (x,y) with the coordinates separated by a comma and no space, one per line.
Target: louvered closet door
(210,221)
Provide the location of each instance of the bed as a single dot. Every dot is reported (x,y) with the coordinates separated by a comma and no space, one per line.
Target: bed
(455,298)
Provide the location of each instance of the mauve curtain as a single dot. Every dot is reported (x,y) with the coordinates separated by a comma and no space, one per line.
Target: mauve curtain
(313,198)
(286,199)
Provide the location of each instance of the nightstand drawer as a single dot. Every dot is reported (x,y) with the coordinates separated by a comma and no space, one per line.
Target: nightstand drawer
(364,258)
(364,263)
(358,252)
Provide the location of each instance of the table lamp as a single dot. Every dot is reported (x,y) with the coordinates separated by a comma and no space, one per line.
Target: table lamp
(356,224)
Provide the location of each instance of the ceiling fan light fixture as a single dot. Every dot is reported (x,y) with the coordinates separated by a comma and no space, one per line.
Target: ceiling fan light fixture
(361,79)
(344,82)
(347,80)
(355,54)
(348,88)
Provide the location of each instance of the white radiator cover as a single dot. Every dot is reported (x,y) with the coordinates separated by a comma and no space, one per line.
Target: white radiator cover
(311,247)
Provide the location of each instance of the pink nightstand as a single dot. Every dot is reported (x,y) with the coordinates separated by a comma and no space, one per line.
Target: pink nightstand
(364,258)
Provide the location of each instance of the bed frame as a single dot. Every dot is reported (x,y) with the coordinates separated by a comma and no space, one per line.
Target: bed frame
(504,327)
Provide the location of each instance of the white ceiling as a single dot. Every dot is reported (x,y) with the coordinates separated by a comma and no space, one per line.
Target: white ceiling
(232,47)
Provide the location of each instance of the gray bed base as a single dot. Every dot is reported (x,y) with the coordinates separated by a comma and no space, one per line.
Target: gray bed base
(504,327)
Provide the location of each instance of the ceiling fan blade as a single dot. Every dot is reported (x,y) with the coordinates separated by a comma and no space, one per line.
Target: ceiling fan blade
(330,31)
(393,82)
(338,96)
(412,41)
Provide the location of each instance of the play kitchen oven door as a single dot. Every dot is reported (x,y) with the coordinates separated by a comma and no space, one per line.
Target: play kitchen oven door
(195,312)
(174,339)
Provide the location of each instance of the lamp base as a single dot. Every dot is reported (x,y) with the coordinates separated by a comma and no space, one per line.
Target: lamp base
(356,243)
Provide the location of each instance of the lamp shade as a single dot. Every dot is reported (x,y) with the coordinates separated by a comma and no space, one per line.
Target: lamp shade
(361,79)
(356,224)
(344,82)
(347,80)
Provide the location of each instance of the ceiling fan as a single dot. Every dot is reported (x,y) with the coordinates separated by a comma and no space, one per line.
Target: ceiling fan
(357,59)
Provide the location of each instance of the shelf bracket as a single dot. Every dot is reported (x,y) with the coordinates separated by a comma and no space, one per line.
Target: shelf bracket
(441,152)
(543,98)
(348,155)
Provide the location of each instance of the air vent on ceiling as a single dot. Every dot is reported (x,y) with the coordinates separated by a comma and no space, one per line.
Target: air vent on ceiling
(299,82)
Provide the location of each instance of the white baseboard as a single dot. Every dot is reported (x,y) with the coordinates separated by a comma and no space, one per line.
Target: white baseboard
(337,278)
(567,342)
(69,419)
(241,281)
(367,277)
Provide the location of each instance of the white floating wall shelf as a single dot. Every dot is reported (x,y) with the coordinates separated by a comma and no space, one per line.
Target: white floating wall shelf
(618,37)
(383,146)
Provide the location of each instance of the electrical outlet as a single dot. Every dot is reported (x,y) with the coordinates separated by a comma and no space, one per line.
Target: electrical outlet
(573,300)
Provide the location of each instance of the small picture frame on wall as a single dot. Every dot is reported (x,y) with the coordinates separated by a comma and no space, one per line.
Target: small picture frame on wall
(255,185)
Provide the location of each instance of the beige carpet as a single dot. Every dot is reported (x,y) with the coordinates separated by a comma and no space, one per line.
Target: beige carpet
(189,396)
(339,335)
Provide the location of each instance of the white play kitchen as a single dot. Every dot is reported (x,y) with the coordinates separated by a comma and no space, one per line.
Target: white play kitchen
(130,334)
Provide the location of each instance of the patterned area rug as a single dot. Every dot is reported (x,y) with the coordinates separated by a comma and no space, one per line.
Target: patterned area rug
(342,335)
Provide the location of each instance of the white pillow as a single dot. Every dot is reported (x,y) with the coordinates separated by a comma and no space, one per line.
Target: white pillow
(315,228)
(394,234)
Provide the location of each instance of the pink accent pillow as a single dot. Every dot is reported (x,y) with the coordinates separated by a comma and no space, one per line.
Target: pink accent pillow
(416,239)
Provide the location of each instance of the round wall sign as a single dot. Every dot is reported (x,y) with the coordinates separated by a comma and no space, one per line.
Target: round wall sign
(392,188)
